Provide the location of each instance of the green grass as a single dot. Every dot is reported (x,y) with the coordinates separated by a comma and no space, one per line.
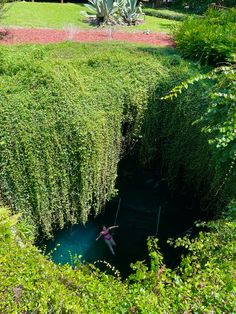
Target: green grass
(153,24)
(51,15)
(56,15)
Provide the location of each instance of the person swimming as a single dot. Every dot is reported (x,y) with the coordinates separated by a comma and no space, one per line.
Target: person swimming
(108,237)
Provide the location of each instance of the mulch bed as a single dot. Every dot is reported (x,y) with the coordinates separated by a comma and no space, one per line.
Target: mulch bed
(45,36)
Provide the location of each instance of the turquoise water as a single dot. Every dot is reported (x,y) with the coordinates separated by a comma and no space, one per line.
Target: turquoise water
(75,241)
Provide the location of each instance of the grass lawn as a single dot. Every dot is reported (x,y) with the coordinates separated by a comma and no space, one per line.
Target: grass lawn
(51,15)
(56,15)
(153,24)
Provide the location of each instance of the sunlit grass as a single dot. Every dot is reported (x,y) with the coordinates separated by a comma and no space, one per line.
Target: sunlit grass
(57,15)
(154,24)
(50,15)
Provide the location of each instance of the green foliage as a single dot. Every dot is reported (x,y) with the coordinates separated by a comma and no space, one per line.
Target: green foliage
(61,125)
(173,143)
(35,284)
(219,123)
(220,118)
(165,14)
(210,39)
(210,262)
(201,6)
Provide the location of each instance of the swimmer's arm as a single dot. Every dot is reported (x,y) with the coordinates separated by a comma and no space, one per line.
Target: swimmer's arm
(112,227)
(98,236)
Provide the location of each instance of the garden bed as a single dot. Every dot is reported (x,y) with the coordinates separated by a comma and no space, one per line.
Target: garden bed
(44,36)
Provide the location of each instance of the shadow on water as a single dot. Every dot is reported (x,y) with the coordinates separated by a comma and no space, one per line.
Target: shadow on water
(142,195)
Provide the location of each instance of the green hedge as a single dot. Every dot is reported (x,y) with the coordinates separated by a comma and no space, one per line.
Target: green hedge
(165,14)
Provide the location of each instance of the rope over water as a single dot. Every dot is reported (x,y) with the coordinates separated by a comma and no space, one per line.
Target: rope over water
(158,219)
(117,211)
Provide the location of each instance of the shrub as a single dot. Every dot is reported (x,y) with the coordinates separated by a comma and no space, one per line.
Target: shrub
(165,14)
(210,39)
(201,6)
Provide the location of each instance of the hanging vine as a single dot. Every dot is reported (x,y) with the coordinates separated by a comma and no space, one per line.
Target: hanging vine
(61,126)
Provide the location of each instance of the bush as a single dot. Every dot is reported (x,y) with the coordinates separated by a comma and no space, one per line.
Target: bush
(201,6)
(165,14)
(210,39)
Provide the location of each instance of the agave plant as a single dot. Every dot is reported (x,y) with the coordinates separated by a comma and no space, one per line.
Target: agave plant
(103,9)
(130,10)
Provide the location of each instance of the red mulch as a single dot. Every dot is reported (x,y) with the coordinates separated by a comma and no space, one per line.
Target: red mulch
(44,36)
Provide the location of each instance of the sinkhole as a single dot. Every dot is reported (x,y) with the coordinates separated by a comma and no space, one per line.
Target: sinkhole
(146,208)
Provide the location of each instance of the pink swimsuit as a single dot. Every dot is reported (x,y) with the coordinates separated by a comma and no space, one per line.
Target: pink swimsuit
(106,235)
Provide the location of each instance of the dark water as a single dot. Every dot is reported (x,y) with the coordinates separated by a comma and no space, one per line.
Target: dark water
(142,195)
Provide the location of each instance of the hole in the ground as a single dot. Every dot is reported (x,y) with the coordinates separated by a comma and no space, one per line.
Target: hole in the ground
(147,209)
